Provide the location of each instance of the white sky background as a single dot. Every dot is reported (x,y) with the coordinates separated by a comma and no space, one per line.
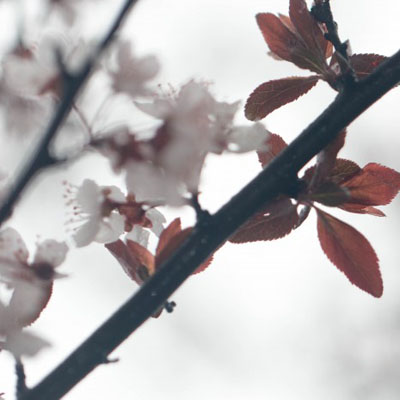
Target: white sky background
(271,320)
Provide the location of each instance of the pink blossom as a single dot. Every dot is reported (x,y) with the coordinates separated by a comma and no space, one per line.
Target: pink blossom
(130,74)
(103,213)
(31,283)
(96,221)
(193,125)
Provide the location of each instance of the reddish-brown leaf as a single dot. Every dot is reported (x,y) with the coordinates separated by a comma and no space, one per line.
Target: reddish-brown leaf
(137,262)
(171,238)
(275,221)
(308,29)
(329,194)
(374,185)
(273,94)
(167,234)
(141,257)
(351,252)
(342,171)
(279,37)
(364,64)
(362,209)
(275,145)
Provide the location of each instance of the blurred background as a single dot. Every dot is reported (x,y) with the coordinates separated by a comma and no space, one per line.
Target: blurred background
(269,320)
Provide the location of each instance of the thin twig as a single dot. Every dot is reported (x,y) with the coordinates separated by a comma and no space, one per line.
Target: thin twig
(322,12)
(207,238)
(21,378)
(41,158)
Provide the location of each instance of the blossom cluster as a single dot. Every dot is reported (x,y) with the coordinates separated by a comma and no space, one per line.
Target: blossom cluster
(159,167)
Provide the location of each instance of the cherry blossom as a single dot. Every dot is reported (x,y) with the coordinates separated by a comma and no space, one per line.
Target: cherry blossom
(34,70)
(97,220)
(193,124)
(104,213)
(130,74)
(31,283)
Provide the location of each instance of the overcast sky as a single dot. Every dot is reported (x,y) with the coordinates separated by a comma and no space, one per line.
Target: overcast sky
(266,320)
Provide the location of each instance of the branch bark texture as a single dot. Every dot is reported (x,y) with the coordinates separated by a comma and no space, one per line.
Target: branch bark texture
(211,232)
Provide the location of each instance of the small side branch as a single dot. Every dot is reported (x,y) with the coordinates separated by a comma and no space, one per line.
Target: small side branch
(322,12)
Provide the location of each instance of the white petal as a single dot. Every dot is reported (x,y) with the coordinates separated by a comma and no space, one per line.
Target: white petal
(160,108)
(12,246)
(25,344)
(89,197)
(150,184)
(51,252)
(139,235)
(110,229)
(87,232)
(115,194)
(131,73)
(248,138)
(157,219)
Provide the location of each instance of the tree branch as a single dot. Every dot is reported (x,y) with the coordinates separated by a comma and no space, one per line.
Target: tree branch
(210,233)
(41,158)
(322,12)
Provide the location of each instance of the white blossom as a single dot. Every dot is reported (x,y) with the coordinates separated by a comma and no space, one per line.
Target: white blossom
(193,125)
(31,283)
(157,220)
(23,343)
(95,223)
(130,74)
(139,235)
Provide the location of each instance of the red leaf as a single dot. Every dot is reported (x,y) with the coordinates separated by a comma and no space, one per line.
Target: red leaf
(361,209)
(273,94)
(170,231)
(342,171)
(287,43)
(142,261)
(275,221)
(279,37)
(308,29)
(171,238)
(364,64)
(275,145)
(374,185)
(329,194)
(351,252)
(137,262)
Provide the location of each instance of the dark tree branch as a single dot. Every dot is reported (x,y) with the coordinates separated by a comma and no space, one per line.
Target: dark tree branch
(41,158)
(209,235)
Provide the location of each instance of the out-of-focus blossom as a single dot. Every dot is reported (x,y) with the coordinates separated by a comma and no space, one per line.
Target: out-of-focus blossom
(104,213)
(31,283)
(129,73)
(35,70)
(31,80)
(193,125)
(67,9)
(24,114)
(23,343)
